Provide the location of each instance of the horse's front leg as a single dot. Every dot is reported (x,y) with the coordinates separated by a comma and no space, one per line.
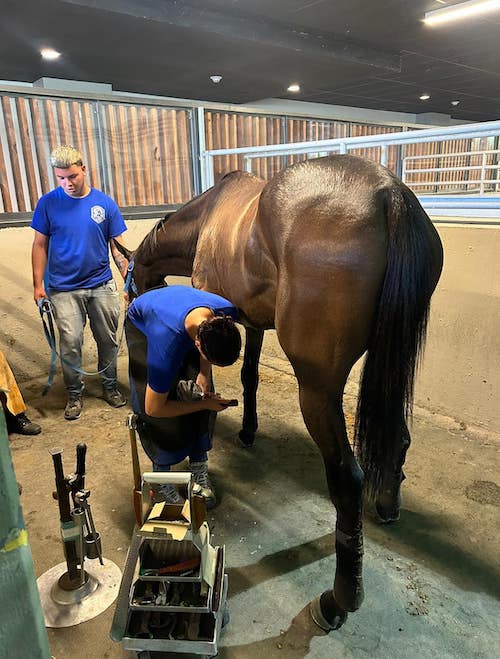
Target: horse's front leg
(324,417)
(250,381)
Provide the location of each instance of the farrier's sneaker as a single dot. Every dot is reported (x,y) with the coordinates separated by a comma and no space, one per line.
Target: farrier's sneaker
(200,474)
(170,494)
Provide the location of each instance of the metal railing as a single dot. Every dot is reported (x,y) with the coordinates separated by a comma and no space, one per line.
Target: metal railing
(488,207)
(483,182)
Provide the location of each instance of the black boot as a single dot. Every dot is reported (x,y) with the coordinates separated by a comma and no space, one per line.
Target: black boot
(21,425)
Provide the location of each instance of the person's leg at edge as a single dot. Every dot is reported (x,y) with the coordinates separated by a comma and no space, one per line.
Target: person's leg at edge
(70,314)
(104,312)
(13,402)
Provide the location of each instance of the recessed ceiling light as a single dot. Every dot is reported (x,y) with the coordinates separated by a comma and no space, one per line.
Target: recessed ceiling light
(216,79)
(293,88)
(424,97)
(460,10)
(50,53)
(455,102)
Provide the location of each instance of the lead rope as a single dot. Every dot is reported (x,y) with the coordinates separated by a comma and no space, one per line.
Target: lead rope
(47,315)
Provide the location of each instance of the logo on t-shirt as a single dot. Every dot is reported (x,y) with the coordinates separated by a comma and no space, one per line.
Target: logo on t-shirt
(98,214)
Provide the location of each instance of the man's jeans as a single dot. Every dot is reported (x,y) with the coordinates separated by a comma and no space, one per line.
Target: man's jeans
(71,309)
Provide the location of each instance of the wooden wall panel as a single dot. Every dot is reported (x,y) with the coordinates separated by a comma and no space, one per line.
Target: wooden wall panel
(139,155)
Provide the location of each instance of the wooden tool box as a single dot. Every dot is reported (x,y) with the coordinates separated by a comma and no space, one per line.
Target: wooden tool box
(173,592)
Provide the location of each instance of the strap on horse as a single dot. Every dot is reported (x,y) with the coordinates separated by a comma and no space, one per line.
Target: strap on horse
(129,281)
(47,315)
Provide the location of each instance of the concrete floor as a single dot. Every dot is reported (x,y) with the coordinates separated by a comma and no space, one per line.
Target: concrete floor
(432,580)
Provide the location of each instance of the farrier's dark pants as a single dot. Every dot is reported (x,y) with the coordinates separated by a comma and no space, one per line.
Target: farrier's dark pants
(166,441)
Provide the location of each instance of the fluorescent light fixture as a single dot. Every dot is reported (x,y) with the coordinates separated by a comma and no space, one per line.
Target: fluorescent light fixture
(50,53)
(294,88)
(424,97)
(462,10)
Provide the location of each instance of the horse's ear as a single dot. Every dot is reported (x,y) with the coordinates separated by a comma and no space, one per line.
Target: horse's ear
(127,253)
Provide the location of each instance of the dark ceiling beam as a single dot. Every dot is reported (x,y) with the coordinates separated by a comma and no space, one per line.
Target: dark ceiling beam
(180,14)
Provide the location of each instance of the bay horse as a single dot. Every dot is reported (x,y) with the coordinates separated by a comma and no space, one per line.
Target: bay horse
(339,257)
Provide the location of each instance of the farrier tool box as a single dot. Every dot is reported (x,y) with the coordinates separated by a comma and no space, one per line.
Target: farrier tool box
(173,592)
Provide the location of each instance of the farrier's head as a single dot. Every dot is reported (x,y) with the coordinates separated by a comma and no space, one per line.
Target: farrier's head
(219,340)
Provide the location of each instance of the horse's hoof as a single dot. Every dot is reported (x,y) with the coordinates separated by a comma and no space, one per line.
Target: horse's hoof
(246,438)
(334,621)
(387,515)
(388,507)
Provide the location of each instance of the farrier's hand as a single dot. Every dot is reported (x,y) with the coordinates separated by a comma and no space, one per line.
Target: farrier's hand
(203,381)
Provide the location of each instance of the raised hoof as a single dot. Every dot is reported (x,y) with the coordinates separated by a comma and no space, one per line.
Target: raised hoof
(335,622)
(246,438)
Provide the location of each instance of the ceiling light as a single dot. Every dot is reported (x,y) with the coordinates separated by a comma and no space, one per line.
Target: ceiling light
(455,102)
(294,88)
(425,97)
(50,53)
(216,79)
(461,10)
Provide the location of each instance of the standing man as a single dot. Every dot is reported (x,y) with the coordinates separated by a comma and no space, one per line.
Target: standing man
(74,225)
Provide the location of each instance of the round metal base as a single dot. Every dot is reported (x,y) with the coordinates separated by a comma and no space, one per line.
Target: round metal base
(64,595)
(65,608)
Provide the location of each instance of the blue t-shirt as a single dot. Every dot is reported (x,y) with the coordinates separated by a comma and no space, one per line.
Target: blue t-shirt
(160,314)
(79,230)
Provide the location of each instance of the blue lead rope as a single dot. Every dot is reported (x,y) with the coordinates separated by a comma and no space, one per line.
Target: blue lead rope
(45,308)
(47,315)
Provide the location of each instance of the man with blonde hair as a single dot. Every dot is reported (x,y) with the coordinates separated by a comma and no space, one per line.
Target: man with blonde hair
(74,226)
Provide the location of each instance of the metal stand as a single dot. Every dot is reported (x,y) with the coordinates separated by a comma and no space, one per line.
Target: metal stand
(77,594)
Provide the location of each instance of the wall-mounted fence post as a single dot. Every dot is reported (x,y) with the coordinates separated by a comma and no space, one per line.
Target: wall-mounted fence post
(483,174)
(383,155)
(198,147)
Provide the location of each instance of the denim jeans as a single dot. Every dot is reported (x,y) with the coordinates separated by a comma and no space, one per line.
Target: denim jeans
(71,310)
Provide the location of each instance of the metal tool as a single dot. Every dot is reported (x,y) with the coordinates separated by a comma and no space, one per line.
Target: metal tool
(92,539)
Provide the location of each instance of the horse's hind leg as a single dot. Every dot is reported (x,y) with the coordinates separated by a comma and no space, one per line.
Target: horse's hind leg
(388,501)
(250,381)
(324,417)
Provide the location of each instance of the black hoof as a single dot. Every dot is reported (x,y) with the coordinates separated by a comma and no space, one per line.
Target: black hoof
(326,613)
(246,438)
(388,506)
(387,515)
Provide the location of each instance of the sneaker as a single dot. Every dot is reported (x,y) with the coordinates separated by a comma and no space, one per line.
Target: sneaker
(73,408)
(170,494)
(21,425)
(114,397)
(199,471)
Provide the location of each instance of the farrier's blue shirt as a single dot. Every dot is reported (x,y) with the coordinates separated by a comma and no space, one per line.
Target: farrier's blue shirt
(79,230)
(160,314)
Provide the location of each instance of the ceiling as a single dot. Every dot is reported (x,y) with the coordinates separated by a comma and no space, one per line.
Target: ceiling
(360,53)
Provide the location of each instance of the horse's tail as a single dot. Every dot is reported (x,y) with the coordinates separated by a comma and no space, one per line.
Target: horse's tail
(414,262)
